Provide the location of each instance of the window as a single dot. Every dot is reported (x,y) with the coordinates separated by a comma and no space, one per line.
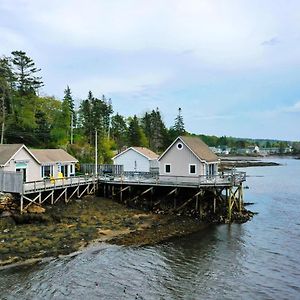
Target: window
(47,171)
(167,168)
(192,169)
(71,169)
(179,146)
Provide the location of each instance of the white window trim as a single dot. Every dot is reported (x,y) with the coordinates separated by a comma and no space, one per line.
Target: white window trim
(190,169)
(179,143)
(165,168)
(43,170)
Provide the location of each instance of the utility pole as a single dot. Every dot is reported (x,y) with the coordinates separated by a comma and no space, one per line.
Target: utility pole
(3,120)
(96,152)
(72,118)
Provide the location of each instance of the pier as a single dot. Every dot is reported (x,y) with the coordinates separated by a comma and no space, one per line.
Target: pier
(169,193)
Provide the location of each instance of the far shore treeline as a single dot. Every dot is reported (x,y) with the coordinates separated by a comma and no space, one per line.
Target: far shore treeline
(46,122)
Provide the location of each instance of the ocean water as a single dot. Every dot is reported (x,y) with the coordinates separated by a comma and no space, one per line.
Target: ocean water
(256,260)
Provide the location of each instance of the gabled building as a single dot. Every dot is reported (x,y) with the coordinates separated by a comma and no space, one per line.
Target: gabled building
(189,157)
(137,159)
(36,164)
(18,158)
(55,161)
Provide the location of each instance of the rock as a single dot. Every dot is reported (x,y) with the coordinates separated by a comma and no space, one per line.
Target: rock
(7,223)
(35,209)
(5,214)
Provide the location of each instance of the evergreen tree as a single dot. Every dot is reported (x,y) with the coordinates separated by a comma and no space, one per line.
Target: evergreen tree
(69,100)
(136,135)
(179,124)
(25,73)
(119,130)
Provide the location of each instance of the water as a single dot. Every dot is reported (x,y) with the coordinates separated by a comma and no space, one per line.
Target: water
(256,260)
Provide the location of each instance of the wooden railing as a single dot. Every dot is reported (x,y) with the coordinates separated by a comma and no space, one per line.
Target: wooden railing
(232,178)
(57,183)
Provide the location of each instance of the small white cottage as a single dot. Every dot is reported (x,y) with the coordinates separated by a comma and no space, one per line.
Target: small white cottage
(189,157)
(36,164)
(137,159)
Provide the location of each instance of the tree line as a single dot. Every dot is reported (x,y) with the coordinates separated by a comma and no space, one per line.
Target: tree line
(46,122)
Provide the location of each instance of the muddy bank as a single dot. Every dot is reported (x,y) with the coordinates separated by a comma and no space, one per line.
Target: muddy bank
(63,229)
(67,228)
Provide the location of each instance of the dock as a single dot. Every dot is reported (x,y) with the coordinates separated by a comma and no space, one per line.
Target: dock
(219,192)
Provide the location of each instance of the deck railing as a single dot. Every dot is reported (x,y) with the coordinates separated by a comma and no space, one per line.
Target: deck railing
(230,178)
(57,183)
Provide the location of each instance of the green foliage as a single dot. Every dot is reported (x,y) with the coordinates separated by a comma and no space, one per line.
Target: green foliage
(179,124)
(119,130)
(136,135)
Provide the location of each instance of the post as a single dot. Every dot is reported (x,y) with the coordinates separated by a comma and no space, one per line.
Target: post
(3,119)
(96,152)
(229,205)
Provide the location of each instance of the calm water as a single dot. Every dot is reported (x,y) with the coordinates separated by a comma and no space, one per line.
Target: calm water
(256,260)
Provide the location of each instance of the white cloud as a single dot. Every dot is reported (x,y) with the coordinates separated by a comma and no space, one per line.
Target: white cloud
(219,32)
(293,108)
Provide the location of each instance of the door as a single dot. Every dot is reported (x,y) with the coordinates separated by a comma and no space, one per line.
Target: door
(64,170)
(23,170)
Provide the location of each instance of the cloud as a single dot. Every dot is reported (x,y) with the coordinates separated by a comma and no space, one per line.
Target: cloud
(295,108)
(271,42)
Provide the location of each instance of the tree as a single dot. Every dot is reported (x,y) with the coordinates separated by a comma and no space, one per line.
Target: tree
(69,100)
(119,130)
(25,73)
(136,135)
(179,124)
(155,130)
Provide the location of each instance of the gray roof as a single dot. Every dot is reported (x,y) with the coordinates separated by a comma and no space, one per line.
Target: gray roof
(146,152)
(7,151)
(200,149)
(52,155)
(141,150)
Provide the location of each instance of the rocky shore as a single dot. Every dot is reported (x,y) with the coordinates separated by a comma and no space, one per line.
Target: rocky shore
(244,162)
(63,229)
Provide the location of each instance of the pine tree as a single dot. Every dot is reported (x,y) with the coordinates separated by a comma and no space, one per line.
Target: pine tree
(73,120)
(136,135)
(179,124)
(119,130)
(25,73)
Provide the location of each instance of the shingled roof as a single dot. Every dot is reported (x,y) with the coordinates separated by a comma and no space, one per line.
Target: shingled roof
(7,151)
(146,152)
(142,150)
(52,155)
(197,146)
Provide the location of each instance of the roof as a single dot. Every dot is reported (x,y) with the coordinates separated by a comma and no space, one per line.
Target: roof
(198,147)
(7,151)
(52,155)
(141,150)
(146,152)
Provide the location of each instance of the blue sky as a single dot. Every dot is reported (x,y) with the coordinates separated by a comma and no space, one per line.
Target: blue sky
(232,66)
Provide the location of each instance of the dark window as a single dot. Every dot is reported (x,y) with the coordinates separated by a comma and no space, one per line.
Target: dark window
(192,169)
(168,168)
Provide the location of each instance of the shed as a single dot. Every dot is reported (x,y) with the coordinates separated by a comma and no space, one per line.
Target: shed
(189,157)
(137,159)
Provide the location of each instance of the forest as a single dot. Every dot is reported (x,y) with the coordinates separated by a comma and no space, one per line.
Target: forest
(46,122)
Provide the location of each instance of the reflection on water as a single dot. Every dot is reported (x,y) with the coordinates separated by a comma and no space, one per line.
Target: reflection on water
(256,260)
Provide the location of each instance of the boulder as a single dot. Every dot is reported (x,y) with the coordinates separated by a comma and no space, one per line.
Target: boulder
(35,209)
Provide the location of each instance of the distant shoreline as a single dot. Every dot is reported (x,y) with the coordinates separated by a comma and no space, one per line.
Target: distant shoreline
(245,161)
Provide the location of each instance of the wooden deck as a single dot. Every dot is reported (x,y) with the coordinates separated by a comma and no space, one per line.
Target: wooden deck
(220,180)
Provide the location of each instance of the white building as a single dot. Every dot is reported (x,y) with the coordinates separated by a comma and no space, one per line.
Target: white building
(137,159)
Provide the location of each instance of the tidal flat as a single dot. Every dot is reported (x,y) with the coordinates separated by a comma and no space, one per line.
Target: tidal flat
(67,228)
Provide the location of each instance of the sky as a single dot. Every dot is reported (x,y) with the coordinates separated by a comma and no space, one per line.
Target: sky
(232,66)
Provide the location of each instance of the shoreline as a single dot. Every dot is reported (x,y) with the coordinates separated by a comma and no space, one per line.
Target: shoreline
(69,229)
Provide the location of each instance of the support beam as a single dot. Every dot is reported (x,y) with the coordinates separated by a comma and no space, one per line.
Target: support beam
(188,201)
(143,193)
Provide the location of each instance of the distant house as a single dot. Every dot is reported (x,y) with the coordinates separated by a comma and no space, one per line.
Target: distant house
(137,159)
(188,156)
(36,164)
(55,161)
